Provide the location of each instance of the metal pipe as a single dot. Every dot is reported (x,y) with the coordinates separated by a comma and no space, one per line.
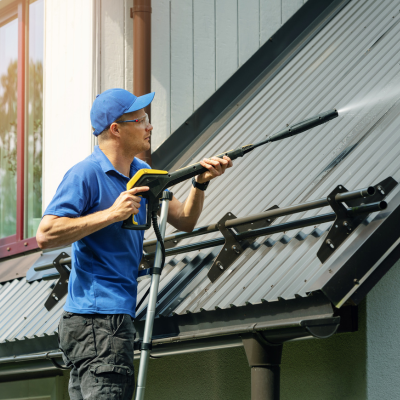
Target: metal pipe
(256,232)
(151,307)
(279,212)
(269,230)
(265,382)
(378,206)
(141,14)
(51,265)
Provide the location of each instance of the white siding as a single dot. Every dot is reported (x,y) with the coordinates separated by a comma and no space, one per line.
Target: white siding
(197,45)
(161,70)
(204,51)
(181,62)
(68,91)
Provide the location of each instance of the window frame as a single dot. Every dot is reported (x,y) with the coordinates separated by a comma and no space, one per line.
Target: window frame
(16,244)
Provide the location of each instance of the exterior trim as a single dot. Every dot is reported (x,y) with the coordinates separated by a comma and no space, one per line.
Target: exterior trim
(16,244)
(21,120)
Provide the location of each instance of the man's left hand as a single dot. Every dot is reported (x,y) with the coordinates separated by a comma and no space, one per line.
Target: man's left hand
(215,166)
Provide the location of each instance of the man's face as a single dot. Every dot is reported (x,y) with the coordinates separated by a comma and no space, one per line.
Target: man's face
(135,136)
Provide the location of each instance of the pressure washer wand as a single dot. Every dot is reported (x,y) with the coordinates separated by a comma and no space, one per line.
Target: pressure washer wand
(292,130)
(295,129)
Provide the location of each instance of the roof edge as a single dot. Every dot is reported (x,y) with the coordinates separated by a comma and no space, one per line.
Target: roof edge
(297,31)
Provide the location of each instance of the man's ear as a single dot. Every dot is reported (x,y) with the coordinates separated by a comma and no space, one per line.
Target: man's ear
(114,129)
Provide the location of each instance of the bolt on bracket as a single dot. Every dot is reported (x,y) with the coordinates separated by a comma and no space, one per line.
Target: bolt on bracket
(61,286)
(345,224)
(233,247)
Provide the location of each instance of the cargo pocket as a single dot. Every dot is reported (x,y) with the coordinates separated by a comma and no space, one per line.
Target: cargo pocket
(122,339)
(111,382)
(76,336)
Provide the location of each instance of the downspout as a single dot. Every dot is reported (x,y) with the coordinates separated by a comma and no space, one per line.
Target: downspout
(141,14)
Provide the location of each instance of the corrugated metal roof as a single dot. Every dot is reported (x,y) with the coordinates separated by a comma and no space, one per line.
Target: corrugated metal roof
(354,57)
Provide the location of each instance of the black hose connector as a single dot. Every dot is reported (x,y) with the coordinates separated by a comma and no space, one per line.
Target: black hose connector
(167,195)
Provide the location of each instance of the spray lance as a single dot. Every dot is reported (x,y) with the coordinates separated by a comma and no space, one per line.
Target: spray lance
(158,181)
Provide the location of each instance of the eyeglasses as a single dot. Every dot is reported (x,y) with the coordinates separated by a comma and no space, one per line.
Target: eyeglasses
(144,119)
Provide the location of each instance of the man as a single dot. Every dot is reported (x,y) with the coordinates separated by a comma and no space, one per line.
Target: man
(96,330)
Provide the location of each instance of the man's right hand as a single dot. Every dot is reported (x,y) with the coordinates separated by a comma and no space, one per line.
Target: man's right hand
(57,231)
(126,204)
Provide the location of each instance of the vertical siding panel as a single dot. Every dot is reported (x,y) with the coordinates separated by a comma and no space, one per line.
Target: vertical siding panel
(249,29)
(128,43)
(204,51)
(112,44)
(270,18)
(160,72)
(289,7)
(181,62)
(226,39)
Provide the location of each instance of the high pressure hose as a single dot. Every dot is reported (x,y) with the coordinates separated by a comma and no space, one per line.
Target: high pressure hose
(161,241)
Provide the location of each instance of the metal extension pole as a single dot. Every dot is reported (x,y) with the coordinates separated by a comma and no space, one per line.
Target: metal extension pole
(151,307)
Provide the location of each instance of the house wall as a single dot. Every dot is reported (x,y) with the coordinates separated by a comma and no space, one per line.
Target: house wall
(383,327)
(68,85)
(198,45)
(35,389)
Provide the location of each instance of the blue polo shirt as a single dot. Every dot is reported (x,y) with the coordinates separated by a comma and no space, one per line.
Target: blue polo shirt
(104,264)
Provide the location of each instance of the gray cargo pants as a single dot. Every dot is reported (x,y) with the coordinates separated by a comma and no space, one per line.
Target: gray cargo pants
(99,350)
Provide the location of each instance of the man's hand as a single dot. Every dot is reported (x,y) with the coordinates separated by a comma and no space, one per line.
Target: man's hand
(57,231)
(216,167)
(126,204)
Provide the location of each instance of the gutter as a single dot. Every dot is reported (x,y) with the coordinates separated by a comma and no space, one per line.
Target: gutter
(216,339)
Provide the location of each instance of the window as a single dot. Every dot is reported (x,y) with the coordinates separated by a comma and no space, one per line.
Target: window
(21,112)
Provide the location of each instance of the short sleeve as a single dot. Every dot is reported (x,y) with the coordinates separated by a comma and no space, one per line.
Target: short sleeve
(71,198)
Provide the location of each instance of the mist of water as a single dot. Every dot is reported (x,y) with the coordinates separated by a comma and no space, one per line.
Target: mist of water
(389,94)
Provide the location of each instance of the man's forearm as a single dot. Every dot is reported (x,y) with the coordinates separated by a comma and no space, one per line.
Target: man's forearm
(56,231)
(62,231)
(187,213)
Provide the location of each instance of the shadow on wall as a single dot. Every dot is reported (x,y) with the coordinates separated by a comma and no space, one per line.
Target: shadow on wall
(328,369)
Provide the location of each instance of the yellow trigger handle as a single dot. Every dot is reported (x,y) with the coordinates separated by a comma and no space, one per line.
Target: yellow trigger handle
(136,178)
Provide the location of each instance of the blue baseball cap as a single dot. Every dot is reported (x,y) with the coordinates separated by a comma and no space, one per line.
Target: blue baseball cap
(111,104)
